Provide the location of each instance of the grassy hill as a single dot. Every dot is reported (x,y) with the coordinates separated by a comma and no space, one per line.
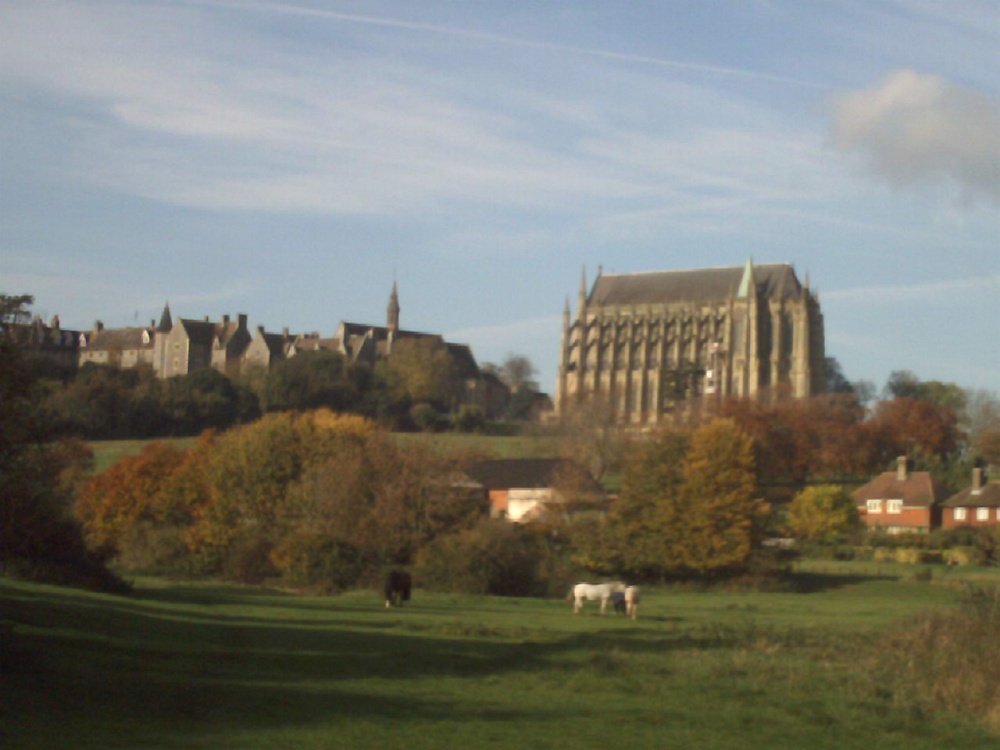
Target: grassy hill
(205,665)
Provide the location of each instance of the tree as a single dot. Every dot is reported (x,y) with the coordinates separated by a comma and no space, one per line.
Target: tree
(723,516)
(908,426)
(821,513)
(311,380)
(417,370)
(642,535)
(38,536)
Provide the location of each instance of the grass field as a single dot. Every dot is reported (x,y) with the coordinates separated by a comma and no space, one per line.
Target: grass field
(201,665)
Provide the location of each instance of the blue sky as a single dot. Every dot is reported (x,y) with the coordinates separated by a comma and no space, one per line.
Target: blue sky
(289,159)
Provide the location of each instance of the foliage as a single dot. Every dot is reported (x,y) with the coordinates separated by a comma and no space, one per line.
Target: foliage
(38,536)
(418,370)
(311,380)
(688,507)
(822,513)
(723,515)
(128,493)
(495,557)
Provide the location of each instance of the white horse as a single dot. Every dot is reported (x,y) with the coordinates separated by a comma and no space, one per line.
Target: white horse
(632,597)
(593,592)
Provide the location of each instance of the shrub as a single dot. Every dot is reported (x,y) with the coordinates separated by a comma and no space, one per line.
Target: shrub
(964,556)
(495,557)
(248,560)
(947,660)
(147,548)
(318,561)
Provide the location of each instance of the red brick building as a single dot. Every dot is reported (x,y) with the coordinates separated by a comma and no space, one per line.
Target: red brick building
(977,505)
(901,501)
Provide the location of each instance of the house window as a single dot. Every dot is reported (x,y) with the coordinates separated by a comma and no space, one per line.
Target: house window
(961,514)
(982,514)
(894,506)
(874,506)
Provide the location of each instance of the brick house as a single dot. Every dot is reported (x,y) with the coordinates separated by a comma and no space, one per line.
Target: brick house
(901,501)
(977,505)
(522,489)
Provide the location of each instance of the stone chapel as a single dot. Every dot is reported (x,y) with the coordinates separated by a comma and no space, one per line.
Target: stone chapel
(647,343)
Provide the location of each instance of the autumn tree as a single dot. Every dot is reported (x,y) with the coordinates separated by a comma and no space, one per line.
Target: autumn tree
(723,516)
(129,492)
(821,513)
(642,536)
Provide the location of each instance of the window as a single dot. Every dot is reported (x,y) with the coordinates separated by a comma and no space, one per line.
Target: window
(874,506)
(982,514)
(894,506)
(961,514)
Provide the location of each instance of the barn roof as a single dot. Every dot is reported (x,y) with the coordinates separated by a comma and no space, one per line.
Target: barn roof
(529,473)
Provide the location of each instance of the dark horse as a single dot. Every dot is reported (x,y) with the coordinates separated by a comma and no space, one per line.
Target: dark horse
(397,588)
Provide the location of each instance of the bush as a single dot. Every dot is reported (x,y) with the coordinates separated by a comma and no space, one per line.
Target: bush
(964,556)
(319,562)
(947,661)
(248,560)
(495,557)
(146,548)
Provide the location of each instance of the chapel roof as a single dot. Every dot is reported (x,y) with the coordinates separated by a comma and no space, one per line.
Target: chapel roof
(773,281)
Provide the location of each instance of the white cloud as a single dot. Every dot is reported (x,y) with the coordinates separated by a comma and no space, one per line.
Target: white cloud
(914,128)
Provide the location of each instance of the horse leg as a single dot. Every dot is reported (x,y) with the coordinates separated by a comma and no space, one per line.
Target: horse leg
(604,605)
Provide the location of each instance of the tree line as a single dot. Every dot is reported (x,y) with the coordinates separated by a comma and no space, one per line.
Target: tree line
(326,499)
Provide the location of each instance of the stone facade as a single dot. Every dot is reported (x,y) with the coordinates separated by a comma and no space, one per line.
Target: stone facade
(645,343)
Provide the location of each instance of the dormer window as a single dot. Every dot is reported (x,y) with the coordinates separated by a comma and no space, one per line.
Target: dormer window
(894,506)
(874,506)
(145,337)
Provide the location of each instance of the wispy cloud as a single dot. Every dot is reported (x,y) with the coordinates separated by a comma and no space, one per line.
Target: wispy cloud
(930,293)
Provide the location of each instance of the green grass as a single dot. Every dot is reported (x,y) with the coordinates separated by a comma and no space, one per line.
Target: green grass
(106,452)
(197,665)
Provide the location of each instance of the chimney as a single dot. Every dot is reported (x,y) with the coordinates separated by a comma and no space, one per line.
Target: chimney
(284,332)
(242,318)
(98,327)
(977,480)
(225,320)
(902,468)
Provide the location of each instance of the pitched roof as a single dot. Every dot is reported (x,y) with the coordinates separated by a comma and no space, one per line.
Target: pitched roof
(121,339)
(773,281)
(528,473)
(987,497)
(918,489)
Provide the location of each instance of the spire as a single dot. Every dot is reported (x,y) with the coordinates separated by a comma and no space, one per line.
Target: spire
(583,291)
(393,316)
(166,321)
(748,284)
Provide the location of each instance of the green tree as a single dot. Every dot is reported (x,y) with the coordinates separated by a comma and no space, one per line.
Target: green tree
(821,513)
(38,536)
(643,532)
(722,518)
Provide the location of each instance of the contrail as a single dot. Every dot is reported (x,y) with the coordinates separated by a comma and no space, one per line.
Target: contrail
(507,40)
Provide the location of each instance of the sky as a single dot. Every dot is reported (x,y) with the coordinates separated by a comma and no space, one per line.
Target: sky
(290,160)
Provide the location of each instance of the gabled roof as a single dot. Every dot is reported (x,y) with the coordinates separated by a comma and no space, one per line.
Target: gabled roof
(200,332)
(121,339)
(988,496)
(917,490)
(774,281)
(529,473)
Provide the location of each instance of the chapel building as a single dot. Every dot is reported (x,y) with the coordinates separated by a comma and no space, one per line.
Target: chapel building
(646,343)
